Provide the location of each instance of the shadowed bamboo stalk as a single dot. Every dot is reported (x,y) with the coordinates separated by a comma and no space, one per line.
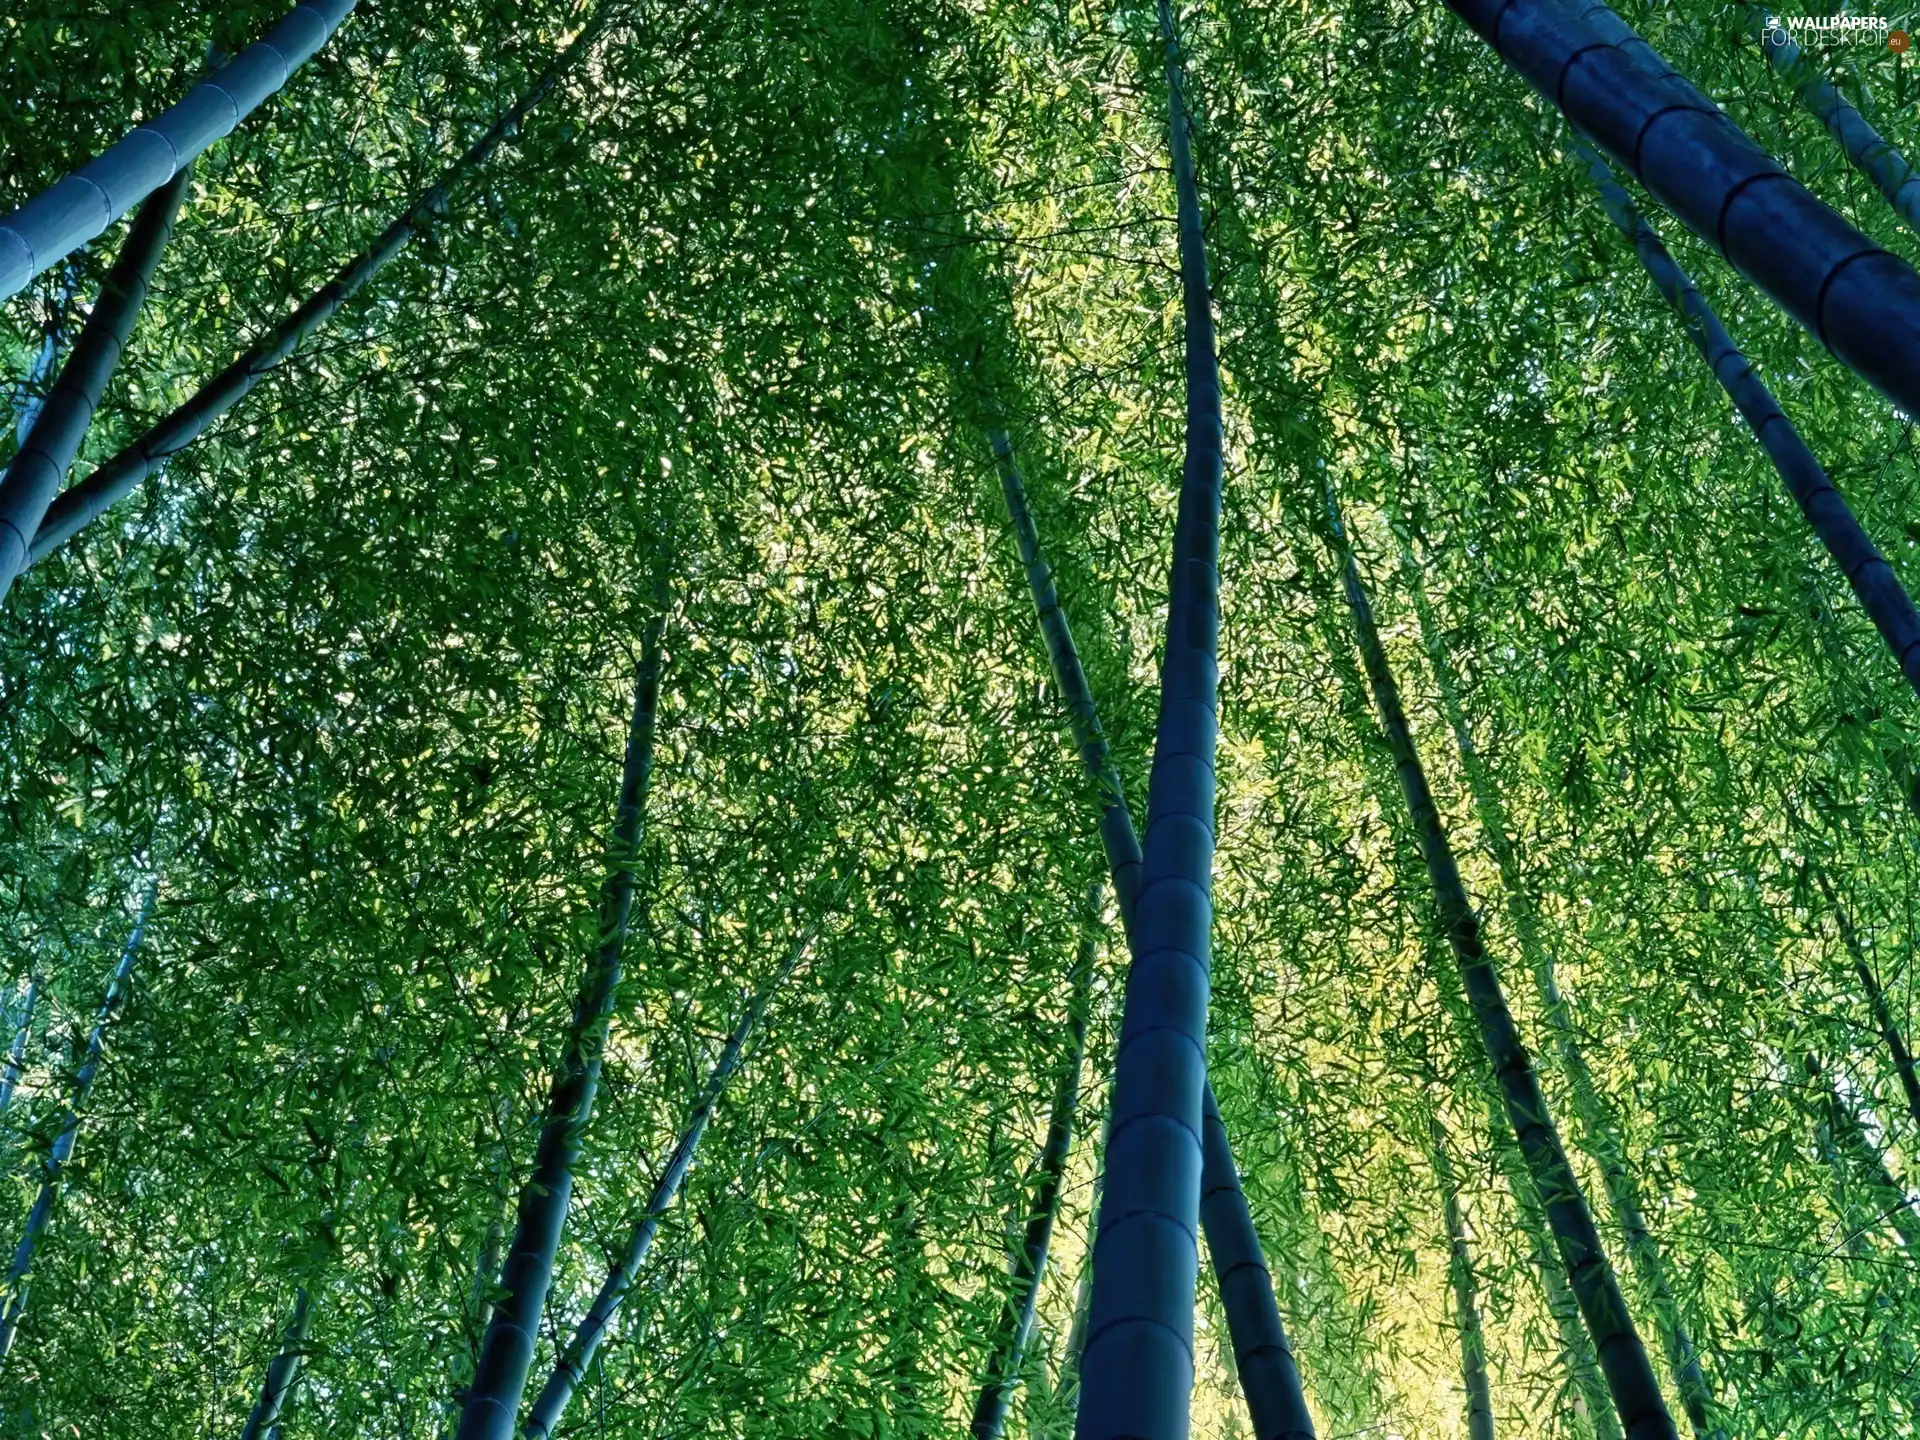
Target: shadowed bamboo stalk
(17,1052)
(1858,1162)
(1066,1390)
(1030,1260)
(1138,1366)
(1597,1126)
(1623,1359)
(1903,1065)
(1862,301)
(1466,1290)
(479,1313)
(1878,589)
(1269,1378)
(47,451)
(1083,716)
(61,219)
(264,1420)
(19,1274)
(571,1367)
(26,397)
(1266,1369)
(1592,1402)
(117,478)
(492,1406)
(1870,151)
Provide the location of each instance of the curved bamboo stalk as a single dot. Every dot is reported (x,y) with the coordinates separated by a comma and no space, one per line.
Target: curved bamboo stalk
(39,468)
(1623,1359)
(118,477)
(492,1404)
(1860,300)
(19,1274)
(62,218)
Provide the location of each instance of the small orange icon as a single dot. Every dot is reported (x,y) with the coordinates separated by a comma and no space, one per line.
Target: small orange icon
(1898,42)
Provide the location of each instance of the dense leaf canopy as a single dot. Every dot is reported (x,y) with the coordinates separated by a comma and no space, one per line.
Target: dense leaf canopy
(732,313)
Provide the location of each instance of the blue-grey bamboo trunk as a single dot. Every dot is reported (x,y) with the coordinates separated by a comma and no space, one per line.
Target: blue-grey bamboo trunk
(571,1367)
(26,395)
(1871,152)
(1466,1292)
(1269,1378)
(1878,589)
(1860,300)
(38,469)
(282,1371)
(486,1269)
(1265,1369)
(17,1051)
(1592,1405)
(1603,1142)
(20,1272)
(118,477)
(1623,1359)
(1883,1018)
(1137,1370)
(61,219)
(492,1407)
(1030,1261)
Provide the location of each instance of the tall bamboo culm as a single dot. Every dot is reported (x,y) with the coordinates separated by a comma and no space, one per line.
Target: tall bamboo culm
(1879,590)
(1870,152)
(1597,1127)
(1269,1376)
(61,219)
(491,1409)
(119,476)
(1466,1290)
(1623,1359)
(1862,301)
(1592,1402)
(1137,1369)
(17,1051)
(20,1272)
(47,452)
(284,1369)
(1265,1359)
(1030,1260)
(570,1370)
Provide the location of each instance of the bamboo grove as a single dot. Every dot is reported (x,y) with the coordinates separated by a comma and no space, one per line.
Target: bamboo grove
(1001,717)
